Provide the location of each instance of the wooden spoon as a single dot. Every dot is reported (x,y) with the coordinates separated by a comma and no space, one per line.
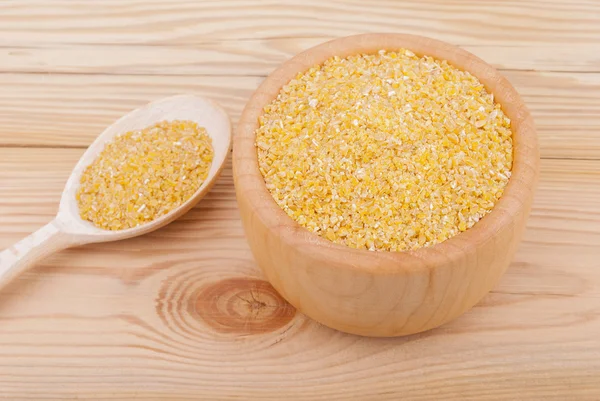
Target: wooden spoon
(68,229)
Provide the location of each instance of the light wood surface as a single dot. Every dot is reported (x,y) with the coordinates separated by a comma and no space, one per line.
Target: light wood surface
(384,294)
(166,317)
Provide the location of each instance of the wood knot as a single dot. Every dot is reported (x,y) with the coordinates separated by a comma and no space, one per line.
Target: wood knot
(242,306)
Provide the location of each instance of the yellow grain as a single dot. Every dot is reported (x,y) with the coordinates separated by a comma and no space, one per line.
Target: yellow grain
(387,151)
(144,174)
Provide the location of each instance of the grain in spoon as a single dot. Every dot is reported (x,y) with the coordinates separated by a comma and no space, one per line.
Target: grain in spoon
(68,229)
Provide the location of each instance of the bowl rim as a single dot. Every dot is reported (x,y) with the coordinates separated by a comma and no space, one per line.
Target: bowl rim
(514,202)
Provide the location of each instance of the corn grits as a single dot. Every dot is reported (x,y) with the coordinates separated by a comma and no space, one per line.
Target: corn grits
(387,151)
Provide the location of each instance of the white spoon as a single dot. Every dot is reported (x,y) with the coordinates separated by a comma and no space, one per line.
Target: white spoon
(68,229)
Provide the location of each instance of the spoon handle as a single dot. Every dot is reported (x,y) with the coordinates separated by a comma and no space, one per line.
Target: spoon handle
(25,253)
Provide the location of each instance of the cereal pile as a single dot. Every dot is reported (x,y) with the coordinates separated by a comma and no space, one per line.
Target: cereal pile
(387,151)
(144,174)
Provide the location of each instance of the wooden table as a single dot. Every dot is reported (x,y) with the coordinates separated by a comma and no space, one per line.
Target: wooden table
(184,314)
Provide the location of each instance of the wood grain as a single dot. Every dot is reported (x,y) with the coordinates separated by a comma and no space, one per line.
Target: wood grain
(71,110)
(152,22)
(253,57)
(124,326)
(120,321)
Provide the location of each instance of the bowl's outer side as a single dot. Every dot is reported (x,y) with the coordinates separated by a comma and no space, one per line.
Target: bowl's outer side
(384,293)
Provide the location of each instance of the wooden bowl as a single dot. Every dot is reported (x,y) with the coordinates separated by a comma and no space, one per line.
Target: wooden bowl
(384,293)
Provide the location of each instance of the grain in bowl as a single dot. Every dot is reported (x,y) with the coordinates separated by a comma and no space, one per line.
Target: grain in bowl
(387,151)
(383,293)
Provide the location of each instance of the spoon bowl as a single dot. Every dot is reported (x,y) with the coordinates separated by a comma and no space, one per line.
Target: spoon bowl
(68,229)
